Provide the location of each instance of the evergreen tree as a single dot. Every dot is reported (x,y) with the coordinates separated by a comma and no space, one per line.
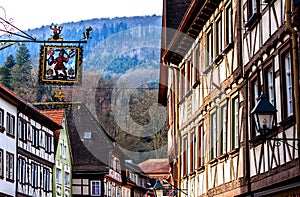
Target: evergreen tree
(5,71)
(21,74)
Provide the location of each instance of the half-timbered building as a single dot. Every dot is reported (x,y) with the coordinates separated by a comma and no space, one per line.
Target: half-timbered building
(216,63)
(201,80)
(97,162)
(136,181)
(28,148)
(62,170)
(8,115)
(35,152)
(271,64)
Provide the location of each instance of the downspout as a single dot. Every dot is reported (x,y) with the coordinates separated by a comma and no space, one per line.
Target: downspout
(295,69)
(178,137)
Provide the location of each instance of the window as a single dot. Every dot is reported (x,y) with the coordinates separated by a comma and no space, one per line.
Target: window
(63,149)
(58,175)
(192,151)
(223,129)
(1,163)
(9,166)
(184,156)
(1,120)
(196,66)
(35,137)
(218,45)
(34,175)
(87,135)
(288,84)
(46,179)
(22,126)
(213,134)
(188,76)
(270,84)
(255,91)
(209,47)
(228,24)
(253,10)
(95,188)
(10,124)
(200,146)
(48,143)
(67,179)
(235,123)
(182,83)
(22,170)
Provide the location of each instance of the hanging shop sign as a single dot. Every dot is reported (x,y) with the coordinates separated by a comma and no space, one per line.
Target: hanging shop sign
(60,64)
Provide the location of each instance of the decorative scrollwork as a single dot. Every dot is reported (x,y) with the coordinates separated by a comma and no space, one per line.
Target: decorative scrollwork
(6,23)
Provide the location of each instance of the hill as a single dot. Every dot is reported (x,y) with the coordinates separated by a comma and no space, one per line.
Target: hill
(116,44)
(119,79)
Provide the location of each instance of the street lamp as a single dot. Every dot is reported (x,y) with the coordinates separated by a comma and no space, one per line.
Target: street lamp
(264,115)
(158,188)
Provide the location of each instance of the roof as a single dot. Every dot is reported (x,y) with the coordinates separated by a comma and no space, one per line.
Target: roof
(133,167)
(184,20)
(89,155)
(27,108)
(155,166)
(57,116)
(193,21)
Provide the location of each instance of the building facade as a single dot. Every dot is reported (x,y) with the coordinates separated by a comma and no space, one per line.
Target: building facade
(217,59)
(28,148)
(62,170)
(8,141)
(271,66)
(136,181)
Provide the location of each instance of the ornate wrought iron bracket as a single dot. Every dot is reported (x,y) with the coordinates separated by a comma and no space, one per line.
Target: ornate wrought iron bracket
(11,30)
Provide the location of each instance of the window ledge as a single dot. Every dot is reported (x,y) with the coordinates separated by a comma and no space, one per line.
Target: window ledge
(213,162)
(208,68)
(192,174)
(2,128)
(196,84)
(228,48)
(10,135)
(201,168)
(234,152)
(223,157)
(253,20)
(10,180)
(218,59)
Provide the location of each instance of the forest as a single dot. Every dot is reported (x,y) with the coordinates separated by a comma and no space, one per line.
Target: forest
(120,75)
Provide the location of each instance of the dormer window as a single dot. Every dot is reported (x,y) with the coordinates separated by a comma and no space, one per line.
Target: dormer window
(87,135)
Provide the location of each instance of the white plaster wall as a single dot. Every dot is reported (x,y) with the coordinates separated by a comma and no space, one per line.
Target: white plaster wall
(8,144)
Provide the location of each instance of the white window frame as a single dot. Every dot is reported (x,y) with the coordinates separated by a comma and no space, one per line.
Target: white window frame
(235,122)
(59,176)
(289,84)
(10,166)
(10,124)
(223,127)
(270,84)
(99,187)
(228,24)
(1,163)
(214,133)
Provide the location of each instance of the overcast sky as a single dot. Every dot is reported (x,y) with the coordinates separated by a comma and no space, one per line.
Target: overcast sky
(35,13)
